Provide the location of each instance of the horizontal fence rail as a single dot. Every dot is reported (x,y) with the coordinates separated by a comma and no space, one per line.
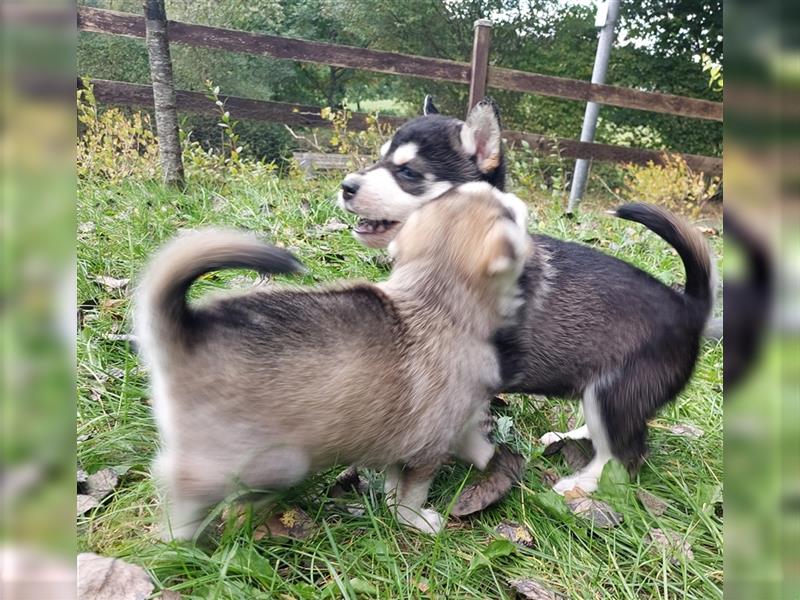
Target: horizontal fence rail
(393,63)
(131,94)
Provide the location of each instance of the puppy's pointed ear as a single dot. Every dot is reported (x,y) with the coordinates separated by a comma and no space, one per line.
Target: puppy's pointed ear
(502,254)
(428,108)
(508,244)
(480,135)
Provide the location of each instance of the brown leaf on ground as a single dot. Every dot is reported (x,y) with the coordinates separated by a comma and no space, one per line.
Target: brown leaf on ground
(654,505)
(121,337)
(530,589)
(503,472)
(112,283)
(102,578)
(596,511)
(112,304)
(292,523)
(86,503)
(663,541)
(348,481)
(577,453)
(101,484)
(499,402)
(575,493)
(514,532)
(335,225)
(686,430)
(549,478)
(553,448)
(170,595)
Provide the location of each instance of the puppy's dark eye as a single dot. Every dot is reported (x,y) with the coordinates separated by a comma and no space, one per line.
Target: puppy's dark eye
(408,173)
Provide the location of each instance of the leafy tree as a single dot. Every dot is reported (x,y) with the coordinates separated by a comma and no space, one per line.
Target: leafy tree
(659,48)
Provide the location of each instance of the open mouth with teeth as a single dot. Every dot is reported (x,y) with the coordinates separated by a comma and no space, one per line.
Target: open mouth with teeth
(375,233)
(370,226)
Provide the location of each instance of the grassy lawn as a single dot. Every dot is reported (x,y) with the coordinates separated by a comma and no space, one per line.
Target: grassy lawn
(369,555)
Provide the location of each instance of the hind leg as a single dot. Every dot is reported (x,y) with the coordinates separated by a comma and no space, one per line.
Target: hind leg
(193,484)
(406,492)
(616,411)
(188,493)
(587,478)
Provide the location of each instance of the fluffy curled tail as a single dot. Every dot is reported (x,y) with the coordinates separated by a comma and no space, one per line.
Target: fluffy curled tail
(162,314)
(687,241)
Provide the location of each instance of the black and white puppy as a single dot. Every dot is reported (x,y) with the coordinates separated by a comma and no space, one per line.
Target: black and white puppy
(592,326)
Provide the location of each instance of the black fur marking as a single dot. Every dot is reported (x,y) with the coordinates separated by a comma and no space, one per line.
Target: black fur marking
(439,154)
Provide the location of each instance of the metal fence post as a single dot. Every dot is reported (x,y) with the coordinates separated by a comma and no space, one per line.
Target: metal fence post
(608,13)
(164,104)
(479,67)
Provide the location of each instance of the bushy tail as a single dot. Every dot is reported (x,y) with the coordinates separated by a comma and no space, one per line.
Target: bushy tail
(689,243)
(162,314)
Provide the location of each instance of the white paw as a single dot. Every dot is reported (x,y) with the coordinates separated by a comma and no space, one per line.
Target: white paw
(427,521)
(551,437)
(588,483)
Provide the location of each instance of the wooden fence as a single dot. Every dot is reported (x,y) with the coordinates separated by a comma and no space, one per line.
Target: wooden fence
(478,75)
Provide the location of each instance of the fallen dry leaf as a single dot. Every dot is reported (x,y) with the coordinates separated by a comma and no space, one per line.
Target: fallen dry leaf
(654,505)
(596,511)
(121,337)
(549,478)
(335,225)
(86,503)
(502,473)
(170,595)
(101,484)
(112,283)
(111,304)
(575,494)
(577,453)
(499,401)
(514,532)
(349,480)
(662,541)
(292,523)
(686,430)
(103,578)
(530,589)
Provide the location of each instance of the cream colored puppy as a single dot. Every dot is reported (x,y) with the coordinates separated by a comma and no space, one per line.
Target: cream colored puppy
(261,389)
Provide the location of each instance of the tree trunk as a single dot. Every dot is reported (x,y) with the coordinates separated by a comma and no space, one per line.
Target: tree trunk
(169,144)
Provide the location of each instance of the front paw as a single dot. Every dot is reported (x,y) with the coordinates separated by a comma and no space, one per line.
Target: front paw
(551,437)
(427,520)
(587,483)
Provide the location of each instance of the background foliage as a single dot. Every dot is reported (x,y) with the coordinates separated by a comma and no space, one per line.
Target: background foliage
(661,46)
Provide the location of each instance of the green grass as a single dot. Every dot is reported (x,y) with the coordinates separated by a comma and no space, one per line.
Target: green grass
(370,555)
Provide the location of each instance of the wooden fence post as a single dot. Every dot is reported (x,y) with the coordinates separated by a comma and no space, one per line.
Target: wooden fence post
(169,144)
(479,67)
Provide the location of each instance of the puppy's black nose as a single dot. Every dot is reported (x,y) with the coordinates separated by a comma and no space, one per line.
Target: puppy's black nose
(349,189)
